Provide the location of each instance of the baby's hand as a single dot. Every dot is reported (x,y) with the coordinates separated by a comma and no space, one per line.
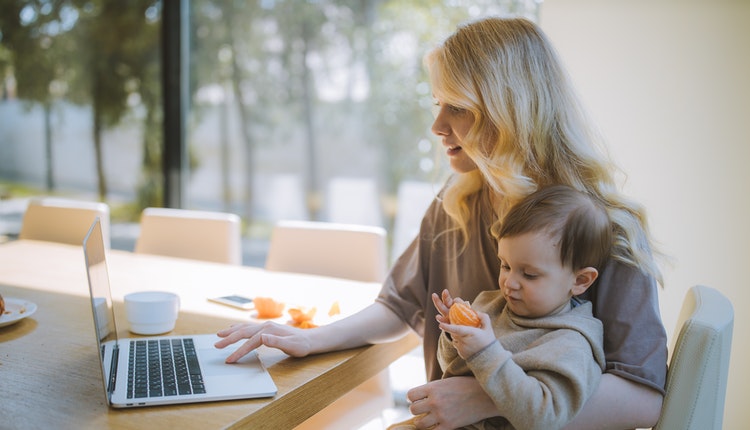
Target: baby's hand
(443,305)
(469,340)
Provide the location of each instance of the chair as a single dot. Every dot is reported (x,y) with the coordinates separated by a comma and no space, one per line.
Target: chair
(346,251)
(55,219)
(197,235)
(699,363)
(413,199)
(292,206)
(329,249)
(353,201)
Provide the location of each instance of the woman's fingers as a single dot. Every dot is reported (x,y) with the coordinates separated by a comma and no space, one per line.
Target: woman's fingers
(243,350)
(416,394)
(283,337)
(420,407)
(237,332)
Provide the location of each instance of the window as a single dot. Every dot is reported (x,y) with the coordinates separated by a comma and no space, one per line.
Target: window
(291,104)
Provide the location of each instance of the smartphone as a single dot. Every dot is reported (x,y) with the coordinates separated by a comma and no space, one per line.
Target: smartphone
(235,301)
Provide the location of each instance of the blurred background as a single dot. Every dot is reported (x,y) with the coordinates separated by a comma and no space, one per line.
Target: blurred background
(271,109)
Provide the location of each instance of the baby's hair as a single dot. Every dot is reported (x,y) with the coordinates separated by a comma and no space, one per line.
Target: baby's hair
(576,220)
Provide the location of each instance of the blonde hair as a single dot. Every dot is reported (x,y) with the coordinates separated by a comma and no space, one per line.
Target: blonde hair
(529,129)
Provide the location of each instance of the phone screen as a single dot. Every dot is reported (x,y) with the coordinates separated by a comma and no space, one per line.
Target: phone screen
(234,300)
(239,299)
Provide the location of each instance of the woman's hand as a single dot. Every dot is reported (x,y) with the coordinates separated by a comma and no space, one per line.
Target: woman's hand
(290,340)
(450,403)
(373,324)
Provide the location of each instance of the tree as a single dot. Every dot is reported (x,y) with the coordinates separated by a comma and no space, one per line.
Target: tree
(121,47)
(34,33)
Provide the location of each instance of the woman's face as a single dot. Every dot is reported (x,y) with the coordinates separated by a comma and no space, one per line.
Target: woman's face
(451,125)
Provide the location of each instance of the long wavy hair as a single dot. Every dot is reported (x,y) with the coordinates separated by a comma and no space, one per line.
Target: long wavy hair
(529,129)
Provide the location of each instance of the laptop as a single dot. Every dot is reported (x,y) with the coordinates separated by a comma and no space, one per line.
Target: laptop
(183,369)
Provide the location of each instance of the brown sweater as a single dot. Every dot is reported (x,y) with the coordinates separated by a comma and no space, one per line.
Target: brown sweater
(624,298)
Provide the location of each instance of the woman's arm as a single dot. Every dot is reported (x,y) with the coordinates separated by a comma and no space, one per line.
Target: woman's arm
(619,404)
(374,324)
(616,404)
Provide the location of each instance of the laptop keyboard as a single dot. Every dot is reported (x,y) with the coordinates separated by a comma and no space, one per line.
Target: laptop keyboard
(164,367)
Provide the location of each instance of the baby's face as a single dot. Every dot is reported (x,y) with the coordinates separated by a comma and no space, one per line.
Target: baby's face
(532,277)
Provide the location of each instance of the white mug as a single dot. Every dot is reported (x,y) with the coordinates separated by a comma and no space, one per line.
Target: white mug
(152,312)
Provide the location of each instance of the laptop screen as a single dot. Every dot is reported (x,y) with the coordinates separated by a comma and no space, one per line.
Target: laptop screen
(100,293)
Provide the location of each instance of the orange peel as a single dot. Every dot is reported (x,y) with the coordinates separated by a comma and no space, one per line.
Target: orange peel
(300,315)
(335,309)
(267,307)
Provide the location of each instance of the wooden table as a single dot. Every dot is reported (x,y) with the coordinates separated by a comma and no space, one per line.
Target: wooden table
(49,371)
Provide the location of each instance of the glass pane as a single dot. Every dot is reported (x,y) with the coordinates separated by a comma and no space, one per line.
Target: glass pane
(80,113)
(318,109)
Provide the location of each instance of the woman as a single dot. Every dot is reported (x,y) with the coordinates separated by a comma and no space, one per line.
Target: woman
(510,124)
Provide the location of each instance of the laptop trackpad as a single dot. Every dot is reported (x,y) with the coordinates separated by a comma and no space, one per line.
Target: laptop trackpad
(212,362)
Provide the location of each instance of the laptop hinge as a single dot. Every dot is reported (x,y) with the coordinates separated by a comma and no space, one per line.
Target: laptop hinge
(113,369)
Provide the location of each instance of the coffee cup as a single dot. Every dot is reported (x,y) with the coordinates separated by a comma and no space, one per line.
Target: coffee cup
(152,312)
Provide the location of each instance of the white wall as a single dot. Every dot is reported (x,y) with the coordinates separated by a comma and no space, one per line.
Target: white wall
(668,82)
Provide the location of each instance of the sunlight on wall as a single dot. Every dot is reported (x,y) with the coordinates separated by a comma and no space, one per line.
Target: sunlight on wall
(667,84)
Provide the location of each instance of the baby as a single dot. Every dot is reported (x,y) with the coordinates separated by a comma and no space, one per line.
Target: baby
(538,349)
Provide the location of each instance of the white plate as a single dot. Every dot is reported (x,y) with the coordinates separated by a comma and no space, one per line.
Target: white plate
(16,310)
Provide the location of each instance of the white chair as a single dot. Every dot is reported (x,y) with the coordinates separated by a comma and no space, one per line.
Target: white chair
(346,251)
(292,205)
(197,235)
(699,363)
(412,201)
(330,249)
(61,220)
(353,201)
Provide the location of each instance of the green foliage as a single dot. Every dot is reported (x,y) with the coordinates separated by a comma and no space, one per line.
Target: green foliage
(329,76)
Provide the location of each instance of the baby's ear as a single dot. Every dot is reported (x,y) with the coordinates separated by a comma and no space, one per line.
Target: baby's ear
(584,278)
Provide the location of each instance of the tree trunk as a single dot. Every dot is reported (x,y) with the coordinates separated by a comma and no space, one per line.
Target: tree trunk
(49,156)
(97,131)
(313,188)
